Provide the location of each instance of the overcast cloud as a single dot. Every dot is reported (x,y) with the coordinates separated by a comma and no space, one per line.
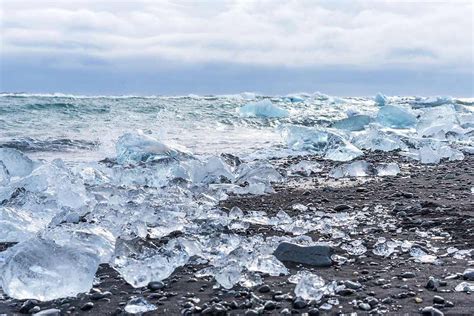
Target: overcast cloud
(132,39)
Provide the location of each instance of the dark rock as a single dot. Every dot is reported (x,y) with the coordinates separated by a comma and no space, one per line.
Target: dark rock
(50,312)
(468,274)
(365,307)
(407,275)
(432,284)
(155,285)
(264,289)
(251,312)
(269,306)
(26,306)
(313,312)
(431,311)
(319,255)
(352,285)
(438,299)
(299,303)
(345,292)
(215,310)
(341,207)
(87,306)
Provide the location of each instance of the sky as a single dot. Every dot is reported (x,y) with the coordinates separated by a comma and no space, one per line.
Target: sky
(174,47)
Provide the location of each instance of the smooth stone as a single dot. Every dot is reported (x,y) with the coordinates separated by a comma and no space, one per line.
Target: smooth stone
(49,312)
(431,311)
(318,256)
(468,274)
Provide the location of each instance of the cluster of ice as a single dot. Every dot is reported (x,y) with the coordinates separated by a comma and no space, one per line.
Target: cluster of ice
(361,168)
(264,108)
(325,142)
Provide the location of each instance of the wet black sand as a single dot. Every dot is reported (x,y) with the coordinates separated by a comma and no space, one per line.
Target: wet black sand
(435,199)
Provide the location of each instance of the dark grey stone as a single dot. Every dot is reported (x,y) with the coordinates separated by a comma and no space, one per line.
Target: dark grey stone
(319,255)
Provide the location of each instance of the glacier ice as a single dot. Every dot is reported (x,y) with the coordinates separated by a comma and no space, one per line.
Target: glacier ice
(264,108)
(305,168)
(431,101)
(380,99)
(395,117)
(4,175)
(310,286)
(16,163)
(138,305)
(135,147)
(363,168)
(387,169)
(325,142)
(356,122)
(40,269)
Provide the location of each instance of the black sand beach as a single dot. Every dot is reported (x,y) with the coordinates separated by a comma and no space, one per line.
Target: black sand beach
(431,205)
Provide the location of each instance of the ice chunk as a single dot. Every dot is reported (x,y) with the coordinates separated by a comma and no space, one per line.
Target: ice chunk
(264,108)
(431,101)
(40,269)
(139,305)
(421,256)
(135,147)
(358,168)
(212,170)
(438,121)
(387,169)
(432,153)
(305,168)
(384,248)
(258,175)
(267,264)
(376,139)
(320,141)
(140,262)
(353,123)
(395,117)
(17,164)
(229,275)
(310,287)
(380,99)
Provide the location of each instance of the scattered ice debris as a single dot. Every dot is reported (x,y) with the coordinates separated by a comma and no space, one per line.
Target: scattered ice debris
(395,117)
(421,255)
(264,108)
(380,99)
(40,269)
(299,207)
(321,141)
(361,168)
(384,248)
(431,101)
(354,248)
(135,147)
(305,168)
(139,305)
(15,162)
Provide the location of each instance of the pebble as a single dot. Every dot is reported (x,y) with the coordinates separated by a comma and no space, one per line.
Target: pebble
(49,312)
(318,255)
(269,306)
(407,275)
(87,306)
(418,300)
(264,289)
(26,306)
(341,207)
(468,274)
(299,303)
(431,311)
(365,306)
(313,312)
(155,285)
(438,299)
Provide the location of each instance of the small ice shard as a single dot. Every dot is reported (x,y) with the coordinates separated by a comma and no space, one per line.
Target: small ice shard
(465,287)
(258,175)
(17,164)
(310,287)
(139,305)
(267,264)
(320,141)
(264,108)
(228,275)
(305,168)
(421,256)
(384,248)
(249,280)
(387,169)
(353,123)
(354,248)
(395,117)
(135,147)
(358,168)
(380,99)
(299,207)
(140,262)
(40,269)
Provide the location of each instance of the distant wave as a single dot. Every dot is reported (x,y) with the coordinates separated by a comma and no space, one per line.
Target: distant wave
(49,145)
